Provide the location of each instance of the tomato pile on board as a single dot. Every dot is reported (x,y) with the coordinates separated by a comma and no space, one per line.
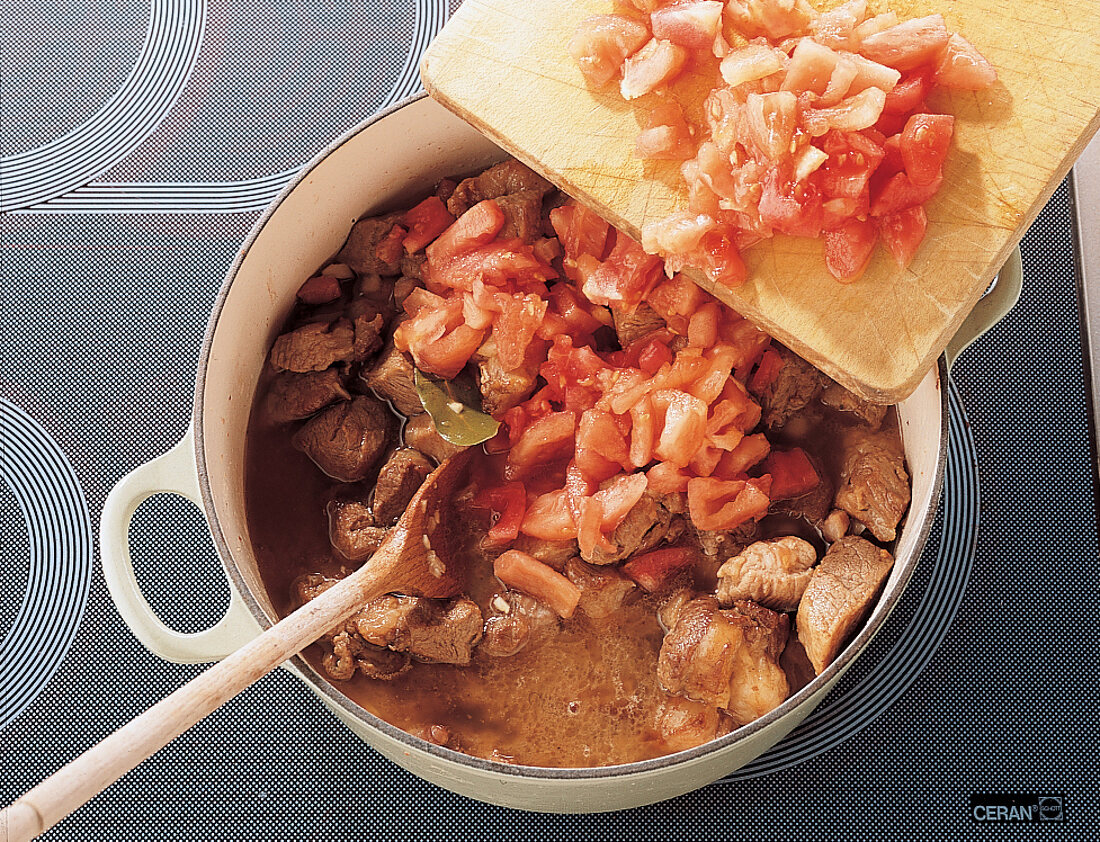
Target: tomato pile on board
(817,124)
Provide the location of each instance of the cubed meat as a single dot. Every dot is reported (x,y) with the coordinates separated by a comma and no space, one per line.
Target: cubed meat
(683,723)
(631,326)
(838,397)
(522,215)
(293,395)
(352,530)
(314,346)
(501,390)
(553,553)
(643,528)
(504,179)
(773,573)
(725,544)
(433,630)
(392,377)
(361,251)
(420,432)
(369,324)
(603,589)
(347,440)
(414,266)
(874,485)
(401,475)
(726,658)
(840,594)
(791,390)
(813,506)
(516,621)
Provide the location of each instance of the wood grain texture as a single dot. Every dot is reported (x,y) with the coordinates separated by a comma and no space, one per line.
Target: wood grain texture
(503,66)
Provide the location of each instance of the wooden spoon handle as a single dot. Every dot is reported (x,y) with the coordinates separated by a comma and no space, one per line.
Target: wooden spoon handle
(103,764)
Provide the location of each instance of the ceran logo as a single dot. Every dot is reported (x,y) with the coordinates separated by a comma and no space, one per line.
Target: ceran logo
(1003,808)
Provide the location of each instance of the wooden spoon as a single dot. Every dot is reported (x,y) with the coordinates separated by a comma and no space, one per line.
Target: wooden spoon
(416,558)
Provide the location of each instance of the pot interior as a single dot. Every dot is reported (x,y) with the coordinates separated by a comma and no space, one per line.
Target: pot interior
(391,159)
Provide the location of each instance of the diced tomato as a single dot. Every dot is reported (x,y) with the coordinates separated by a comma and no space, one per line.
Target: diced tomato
(684,428)
(924,143)
(666,478)
(625,277)
(703,326)
(720,259)
(601,449)
(389,249)
(899,193)
(750,63)
(590,535)
(774,18)
(618,496)
(448,355)
(571,374)
(751,450)
(871,74)
(834,27)
(425,222)
(548,518)
(603,42)
(320,289)
(835,212)
(770,122)
(721,505)
(909,94)
(902,233)
(653,65)
(792,473)
(666,135)
(546,440)
(477,227)
(508,503)
(526,573)
(961,66)
(520,318)
(853,156)
(689,23)
(790,207)
(581,231)
(653,571)
(909,44)
(653,354)
(849,247)
(766,372)
(860,111)
(812,65)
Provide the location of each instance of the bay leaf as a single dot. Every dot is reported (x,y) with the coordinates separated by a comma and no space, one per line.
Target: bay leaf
(455,408)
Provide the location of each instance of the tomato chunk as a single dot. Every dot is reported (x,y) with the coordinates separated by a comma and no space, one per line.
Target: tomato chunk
(792,473)
(924,143)
(902,233)
(722,505)
(848,249)
(525,573)
(961,66)
(655,570)
(602,43)
(425,222)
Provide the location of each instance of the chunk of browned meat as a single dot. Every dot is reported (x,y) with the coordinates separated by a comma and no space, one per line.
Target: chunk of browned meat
(683,723)
(838,397)
(726,544)
(516,621)
(839,596)
(347,440)
(314,346)
(504,179)
(400,477)
(293,395)
(603,589)
(347,651)
(551,553)
(369,323)
(643,528)
(773,573)
(360,250)
(796,665)
(792,389)
(726,658)
(392,377)
(414,266)
(874,485)
(433,630)
(420,433)
(522,215)
(632,326)
(501,390)
(352,530)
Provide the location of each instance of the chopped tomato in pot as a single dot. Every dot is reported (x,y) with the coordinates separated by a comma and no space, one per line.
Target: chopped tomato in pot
(525,573)
(425,222)
(655,570)
(792,473)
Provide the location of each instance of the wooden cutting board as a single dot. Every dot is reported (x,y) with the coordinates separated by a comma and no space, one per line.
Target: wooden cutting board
(503,66)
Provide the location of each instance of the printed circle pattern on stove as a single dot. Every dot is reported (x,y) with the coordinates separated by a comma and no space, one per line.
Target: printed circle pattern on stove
(59,534)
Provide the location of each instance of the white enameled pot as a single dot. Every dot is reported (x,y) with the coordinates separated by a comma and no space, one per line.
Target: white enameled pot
(395,156)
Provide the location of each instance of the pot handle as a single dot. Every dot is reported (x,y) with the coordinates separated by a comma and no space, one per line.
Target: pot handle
(171,473)
(991,307)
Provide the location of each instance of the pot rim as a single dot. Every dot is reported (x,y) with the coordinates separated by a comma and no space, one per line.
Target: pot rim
(332,695)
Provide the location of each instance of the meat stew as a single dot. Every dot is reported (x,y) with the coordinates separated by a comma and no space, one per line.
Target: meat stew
(580,639)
